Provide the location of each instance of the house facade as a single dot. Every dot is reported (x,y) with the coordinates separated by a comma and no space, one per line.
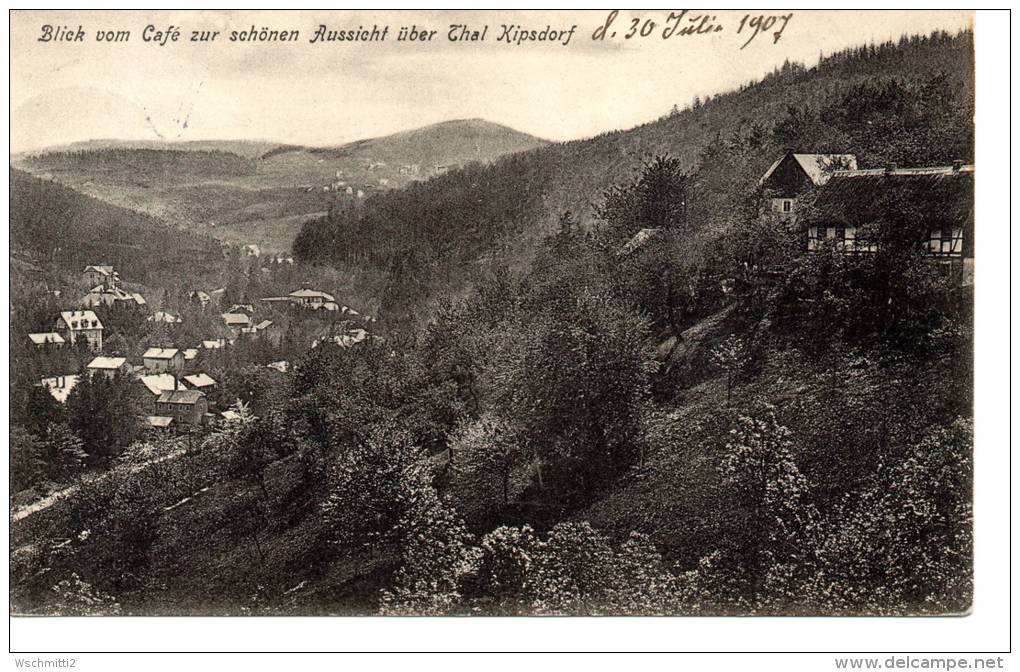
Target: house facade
(99,274)
(109,367)
(77,326)
(312,299)
(186,407)
(793,175)
(163,360)
(935,206)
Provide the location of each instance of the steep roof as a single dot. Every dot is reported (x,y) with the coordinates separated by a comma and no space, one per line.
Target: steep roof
(181,397)
(817,167)
(160,353)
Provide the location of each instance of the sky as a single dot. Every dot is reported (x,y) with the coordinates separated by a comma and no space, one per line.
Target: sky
(336,92)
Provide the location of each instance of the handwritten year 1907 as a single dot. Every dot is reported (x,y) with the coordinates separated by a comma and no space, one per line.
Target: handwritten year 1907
(684,23)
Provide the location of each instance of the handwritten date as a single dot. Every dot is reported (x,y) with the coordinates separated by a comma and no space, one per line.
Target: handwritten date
(685,23)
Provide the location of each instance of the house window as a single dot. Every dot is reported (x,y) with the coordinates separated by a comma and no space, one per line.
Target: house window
(787,205)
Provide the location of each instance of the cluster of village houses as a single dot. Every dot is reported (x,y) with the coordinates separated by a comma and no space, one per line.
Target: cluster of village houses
(176,395)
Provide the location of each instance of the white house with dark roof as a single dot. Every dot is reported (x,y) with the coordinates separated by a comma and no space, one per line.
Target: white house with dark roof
(78,326)
(163,360)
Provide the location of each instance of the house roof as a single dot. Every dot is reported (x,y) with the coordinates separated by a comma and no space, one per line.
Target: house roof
(231,415)
(200,380)
(212,345)
(942,195)
(181,397)
(235,319)
(818,167)
(46,337)
(158,383)
(60,386)
(160,421)
(107,363)
(103,268)
(160,353)
(280,366)
(139,299)
(311,293)
(190,353)
(264,324)
(80,319)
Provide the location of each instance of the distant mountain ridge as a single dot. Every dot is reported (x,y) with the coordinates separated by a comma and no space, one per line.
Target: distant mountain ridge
(261,192)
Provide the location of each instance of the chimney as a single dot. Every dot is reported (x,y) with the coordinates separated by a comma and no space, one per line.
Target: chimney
(957,165)
(890,168)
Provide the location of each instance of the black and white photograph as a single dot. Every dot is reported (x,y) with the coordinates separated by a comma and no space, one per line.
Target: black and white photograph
(494,313)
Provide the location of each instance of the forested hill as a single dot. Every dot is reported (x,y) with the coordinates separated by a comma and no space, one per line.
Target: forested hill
(908,102)
(449,142)
(53,223)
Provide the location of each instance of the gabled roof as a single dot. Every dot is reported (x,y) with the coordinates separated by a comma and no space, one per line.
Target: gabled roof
(158,383)
(80,319)
(107,363)
(817,167)
(103,269)
(160,353)
(46,337)
(199,380)
(181,397)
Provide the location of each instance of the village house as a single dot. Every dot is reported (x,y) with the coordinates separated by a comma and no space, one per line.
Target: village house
(939,200)
(109,367)
(792,175)
(59,387)
(202,382)
(236,322)
(163,360)
(47,340)
(154,385)
(186,407)
(214,344)
(103,275)
(77,326)
(312,299)
(111,297)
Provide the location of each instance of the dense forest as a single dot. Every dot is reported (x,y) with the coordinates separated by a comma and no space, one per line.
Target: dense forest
(713,422)
(910,102)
